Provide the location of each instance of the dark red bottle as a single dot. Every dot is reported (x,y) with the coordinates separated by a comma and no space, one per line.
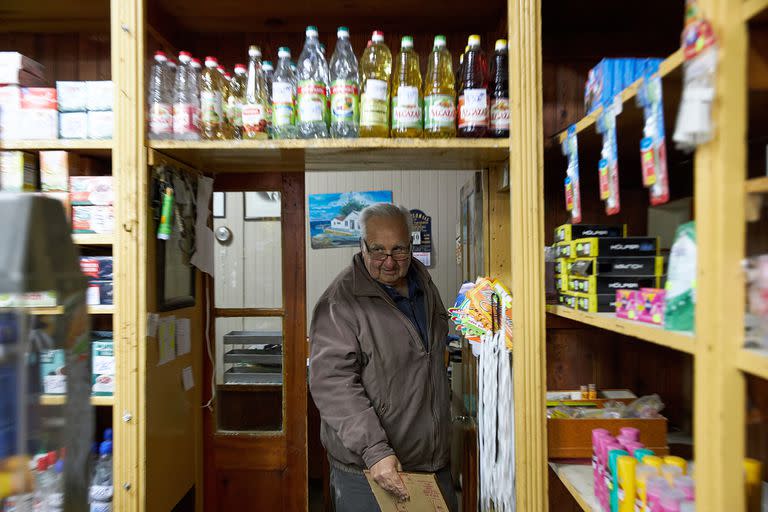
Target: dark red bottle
(474,104)
(499,91)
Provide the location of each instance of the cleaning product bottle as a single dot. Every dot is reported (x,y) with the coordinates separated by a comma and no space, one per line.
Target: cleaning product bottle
(312,93)
(500,91)
(439,93)
(284,97)
(677,461)
(642,473)
(254,109)
(345,76)
(613,472)
(625,477)
(473,94)
(375,70)
(211,111)
(406,92)
(753,483)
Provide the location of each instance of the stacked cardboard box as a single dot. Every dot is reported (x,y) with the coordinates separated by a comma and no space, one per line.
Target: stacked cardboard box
(85,109)
(92,200)
(100,273)
(27,109)
(611,76)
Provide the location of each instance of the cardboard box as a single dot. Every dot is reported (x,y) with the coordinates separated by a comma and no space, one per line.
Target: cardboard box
(608,285)
(39,97)
(10,123)
(569,232)
(91,190)
(99,95)
(422,488)
(588,303)
(561,283)
(73,125)
(631,246)
(646,305)
(100,125)
(55,170)
(563,266)
(563,250)
(97,267)
(72,96)
(93,219)
(571,438)
(14,61)
(18,171)
(103,367)
(10,96)
(53,374)
(100,293)
(642,266)
(39,124)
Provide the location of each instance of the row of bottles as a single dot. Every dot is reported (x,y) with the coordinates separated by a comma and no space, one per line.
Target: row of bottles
(339,99)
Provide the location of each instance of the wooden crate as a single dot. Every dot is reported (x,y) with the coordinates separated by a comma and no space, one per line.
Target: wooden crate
(569,438)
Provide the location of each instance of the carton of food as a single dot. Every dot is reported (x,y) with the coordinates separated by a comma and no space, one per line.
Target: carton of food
(73,125)
(99,95)
(100,124)
(93,219)
(72,96)
(91,190)
(55,170)
(18,171)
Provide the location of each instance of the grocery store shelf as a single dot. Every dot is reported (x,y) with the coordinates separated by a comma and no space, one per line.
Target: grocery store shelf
(334,154)
(684,342)
(94,147)
(92,239)
(753,361)
(757,185)
(667,66)
(104,401)
(578,479)
(58,310)
(750,9)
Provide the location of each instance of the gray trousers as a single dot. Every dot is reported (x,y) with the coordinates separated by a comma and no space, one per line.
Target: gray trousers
(351,492)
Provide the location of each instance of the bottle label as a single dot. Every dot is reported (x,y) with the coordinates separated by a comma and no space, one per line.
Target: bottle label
(283,108)
(210,105)
(344,102)
(101,506)
(254,118)
(473,108)
(500,114)
(234,111)
(311,102)
(184,118)
(101,492)
(55,501)
(406,111)
(439,111)
(160,118)
(373,104)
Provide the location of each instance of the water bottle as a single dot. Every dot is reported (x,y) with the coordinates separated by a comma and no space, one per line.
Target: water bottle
(42,484)
(283,92)
(185,101)
(195,69)
(102,489)
(269,74)
(160,114)
(345,112)
(56,488)
(313,81)
(170,76)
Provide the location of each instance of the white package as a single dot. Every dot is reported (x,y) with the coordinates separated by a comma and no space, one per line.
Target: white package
(72,96)
(10,96)
(10,123)
(100,125)
(73,125)
(98,95)
(39,123)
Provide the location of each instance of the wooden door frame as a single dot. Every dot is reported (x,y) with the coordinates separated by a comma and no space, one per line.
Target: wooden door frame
(234,451)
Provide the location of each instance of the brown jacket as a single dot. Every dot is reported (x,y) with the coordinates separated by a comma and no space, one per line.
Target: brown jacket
(378,391)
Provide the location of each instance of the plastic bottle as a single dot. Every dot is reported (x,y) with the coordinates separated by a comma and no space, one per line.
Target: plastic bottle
(194,85)
(234,101)
(753,482)
(311,116)
(473,93)
(376,70)
(255,109)
(284,97)
(56,490)
(643,472)
(227,127)
(327,111)
(625,479)
(160,113)
(211,109)
(102,489)
(185,101)
(677,461)
(671,472)
(406,93)
(460,69)
(345,88)
(170,76)
(500,91)
(439,93)
(654,488)
(269,73)
(42,484)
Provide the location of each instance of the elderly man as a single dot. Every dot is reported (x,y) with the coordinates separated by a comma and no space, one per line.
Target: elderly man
(376,369)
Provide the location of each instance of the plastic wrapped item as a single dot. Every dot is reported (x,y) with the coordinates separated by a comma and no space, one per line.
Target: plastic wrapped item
(679,314)
(757,292)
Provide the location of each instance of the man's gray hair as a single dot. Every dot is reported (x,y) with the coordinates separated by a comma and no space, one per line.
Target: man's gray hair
(385,210)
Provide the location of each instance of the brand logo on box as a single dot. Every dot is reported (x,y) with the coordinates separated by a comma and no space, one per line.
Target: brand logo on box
(625,247)
(628,266)
(621,285)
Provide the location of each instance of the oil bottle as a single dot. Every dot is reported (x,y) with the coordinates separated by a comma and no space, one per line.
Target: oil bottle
(254,109)
(406,92)
(499,116)
(375,72)
(236,99)
(211,115)
(439,93)
(473,94)
(228,123)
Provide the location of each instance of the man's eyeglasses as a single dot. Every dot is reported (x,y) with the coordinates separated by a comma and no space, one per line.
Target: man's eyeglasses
(379,254)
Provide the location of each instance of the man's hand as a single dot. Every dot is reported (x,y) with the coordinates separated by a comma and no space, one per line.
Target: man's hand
(385,473)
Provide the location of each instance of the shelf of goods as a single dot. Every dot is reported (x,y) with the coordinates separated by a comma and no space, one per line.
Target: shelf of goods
(91,147)
(58,310)
(757,185)
(98,401)
(753,361)
(93,239)
(578,479)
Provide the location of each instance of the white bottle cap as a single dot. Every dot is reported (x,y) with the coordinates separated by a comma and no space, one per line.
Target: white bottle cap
(196,63)
(284,52)
(311,31)
(239,69)
(185,57)
(406,42)
(254,51)
(378,36)
(342,32)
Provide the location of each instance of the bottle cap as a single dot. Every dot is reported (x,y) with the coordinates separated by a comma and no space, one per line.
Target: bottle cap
(342,32)
(254,51)
(322,48)
(59,467)
(439,41)
(105,448)
(227,75)
(52,458)
(221,69)
(284,52)
(267,64)
(185,56)
(195,62)
(473,40)
(378,36)
(311,31)
(42,464)
(239,68)
(500,45)
(752,471)
(172,63)
(211,62)
(160,56)
(406,42)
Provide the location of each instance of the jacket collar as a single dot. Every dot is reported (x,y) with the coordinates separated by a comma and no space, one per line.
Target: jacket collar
(363,285)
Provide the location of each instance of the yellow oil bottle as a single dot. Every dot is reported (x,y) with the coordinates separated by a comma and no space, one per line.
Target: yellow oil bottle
(439,93)
(406,92)
(375,71)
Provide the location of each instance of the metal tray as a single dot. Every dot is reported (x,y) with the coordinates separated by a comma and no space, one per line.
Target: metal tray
(246,375)
(253,338)
(272,356)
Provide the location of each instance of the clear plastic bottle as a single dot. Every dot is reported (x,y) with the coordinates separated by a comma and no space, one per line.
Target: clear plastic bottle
(284,97)
(406,93)
(439,93)
(159,108)
(235,101)
(375,71)
(42,484)
(256,98)
(56,490)
(312,90)
(345,88)
(211,110)
(185,101)
(102,488)
(499,114)
(194,85)
(228,129)
(269,74)
(473,94)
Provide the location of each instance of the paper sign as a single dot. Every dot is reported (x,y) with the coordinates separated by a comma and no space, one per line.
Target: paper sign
(423,489)
(166,340)
(421,238)
(187,378)
(183,341)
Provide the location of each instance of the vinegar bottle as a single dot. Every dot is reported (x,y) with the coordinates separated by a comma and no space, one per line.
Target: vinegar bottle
(375,72)
(406,92)
(439,93)
(500,91)
(473,94)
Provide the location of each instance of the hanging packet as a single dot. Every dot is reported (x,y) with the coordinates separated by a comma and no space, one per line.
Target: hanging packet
(608,166)
(572,181)
(653,148)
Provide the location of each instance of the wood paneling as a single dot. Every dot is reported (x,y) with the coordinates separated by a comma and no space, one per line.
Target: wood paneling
(66,56)
(250,491)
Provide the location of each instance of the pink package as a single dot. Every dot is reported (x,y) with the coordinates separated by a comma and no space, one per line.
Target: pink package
(643,305)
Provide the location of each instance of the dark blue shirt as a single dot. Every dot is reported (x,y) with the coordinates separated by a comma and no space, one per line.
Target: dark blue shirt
(414,306)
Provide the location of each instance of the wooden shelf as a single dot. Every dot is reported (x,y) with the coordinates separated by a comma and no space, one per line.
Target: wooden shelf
(335,154)
(684,342)
(579,481)
(667,66)
(50,16)
(58,310)
(757,185)
(92,239)
(753,361)
(93,147)
(752,8)
(103,401)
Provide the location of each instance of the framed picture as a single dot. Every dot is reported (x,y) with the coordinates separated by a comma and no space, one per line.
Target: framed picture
(334,219)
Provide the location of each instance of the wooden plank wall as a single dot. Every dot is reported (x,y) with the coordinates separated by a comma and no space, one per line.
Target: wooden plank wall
(70,56)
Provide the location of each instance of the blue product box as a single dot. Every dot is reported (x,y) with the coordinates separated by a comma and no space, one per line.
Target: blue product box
(97,267)
(100,293)
(8,411)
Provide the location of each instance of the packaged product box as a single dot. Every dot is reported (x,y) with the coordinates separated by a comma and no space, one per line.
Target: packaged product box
(644,305)
(55,170)
(39,124)
(18,171)
(615,247)
(39,97)
(100,124)
(12,62)
(10,96)
(561,283)
(10,123)
(53,374)
(100,293)
(72,96)
(563,266)
(28,300)
(91,190)
(608,285)
(570,232)
(563,250)
(93,219)
(103,367)
(73,125)
(634,266)
(567,299)
(99,95)
(97,267)
(593,303)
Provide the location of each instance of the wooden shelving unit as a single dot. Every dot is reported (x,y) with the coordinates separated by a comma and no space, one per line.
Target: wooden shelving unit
(58,310)
(98,401)
(753,8)
(578,479)
(93,147)
(757,185)
(93,239)
(753,362)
